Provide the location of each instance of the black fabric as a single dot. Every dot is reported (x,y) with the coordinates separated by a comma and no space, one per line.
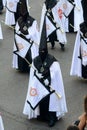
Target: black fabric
(21,9)
(83,29)
(44,108)
(43,54)
(52,116)
(84,71)
(84,6)
(44,104)
(71,20)
(44,68)
(45,114)
(25,22)
(77,122)
(1,5)
(47,63)
(23,66)
(83,38)
(53,37)
(43,50)
(50,3)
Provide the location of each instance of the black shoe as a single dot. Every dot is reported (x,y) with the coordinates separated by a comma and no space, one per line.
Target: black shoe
(53,44)
(52,123)
(39,118)
(62,46)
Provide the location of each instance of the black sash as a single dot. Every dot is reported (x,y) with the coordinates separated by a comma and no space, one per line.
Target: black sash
(44,68)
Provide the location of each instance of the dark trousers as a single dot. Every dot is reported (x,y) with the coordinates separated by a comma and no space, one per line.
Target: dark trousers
(1,5)
(23,66)
(44,110)
(53,38)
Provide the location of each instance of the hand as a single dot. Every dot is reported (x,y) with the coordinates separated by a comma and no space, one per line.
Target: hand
(46,82)
(39,75)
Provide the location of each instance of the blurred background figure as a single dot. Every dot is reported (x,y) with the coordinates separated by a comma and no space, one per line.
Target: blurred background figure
(79,58)
(26,32)
(56,13)
(72,24)
(54,22)
(13,10)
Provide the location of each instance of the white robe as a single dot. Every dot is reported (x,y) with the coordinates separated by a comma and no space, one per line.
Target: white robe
(1,35)
(12,6)
(61,35)
(4,3)
(34,36)
(55,104)
(78,17)
(76,62)
(1,123)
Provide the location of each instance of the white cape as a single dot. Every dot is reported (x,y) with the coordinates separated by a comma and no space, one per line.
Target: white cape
(78,16)
(1,123)
(56,104)
(1,35)
(76,62)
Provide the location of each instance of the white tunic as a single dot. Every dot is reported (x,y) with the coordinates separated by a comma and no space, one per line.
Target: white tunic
(34,36)
(76,62)
(1,35)
(80,50)
(56,104)
(1,123)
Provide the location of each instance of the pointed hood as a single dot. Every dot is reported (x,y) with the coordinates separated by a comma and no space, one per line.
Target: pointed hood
(50,3)
(43,50)
(23,7)
(84,6)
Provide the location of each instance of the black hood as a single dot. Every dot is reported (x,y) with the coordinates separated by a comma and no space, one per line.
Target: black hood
(43,50)
(23,7)
(50,3)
